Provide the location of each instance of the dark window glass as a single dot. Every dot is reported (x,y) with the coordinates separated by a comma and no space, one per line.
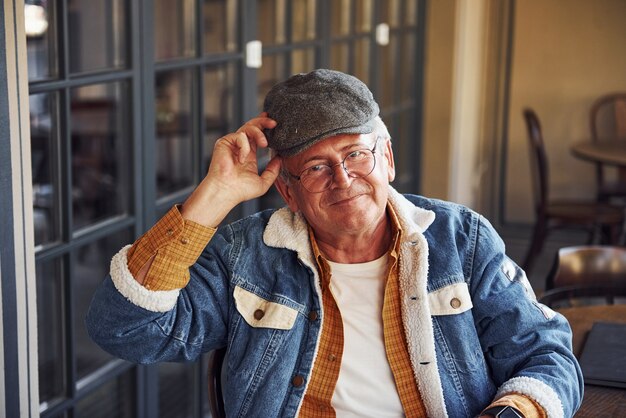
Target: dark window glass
(174,128)
(90,266)
(51,328)
(302,60)
(221,21)
(404,153)
(340,17)
(174,29)
(40,27)
(116,398)
(340,57)
(43,141)
(220,83)
(407,68)
(176,390)
(388,79)
(97,35)
(362,60)
(274,70)
(411,12)
(391,12)
(363,16)
(271,21)
(101,152)
(303,20)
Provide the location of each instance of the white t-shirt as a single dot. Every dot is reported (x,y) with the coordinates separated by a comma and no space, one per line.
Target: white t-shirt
(366,387)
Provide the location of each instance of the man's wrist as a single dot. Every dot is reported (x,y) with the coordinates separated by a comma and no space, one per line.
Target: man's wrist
(502,412)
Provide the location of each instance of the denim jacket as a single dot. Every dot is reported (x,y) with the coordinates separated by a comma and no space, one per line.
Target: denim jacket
(473,326)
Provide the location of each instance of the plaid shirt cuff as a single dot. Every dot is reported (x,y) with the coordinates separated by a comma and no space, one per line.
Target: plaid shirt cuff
(528,407)
(175,244)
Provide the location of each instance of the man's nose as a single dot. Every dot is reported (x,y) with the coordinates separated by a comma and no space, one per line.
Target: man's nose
(341,178)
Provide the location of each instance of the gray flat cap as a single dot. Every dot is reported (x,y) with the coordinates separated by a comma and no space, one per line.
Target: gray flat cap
(313,106)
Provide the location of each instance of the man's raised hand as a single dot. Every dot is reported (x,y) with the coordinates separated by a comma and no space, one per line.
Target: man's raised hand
(233,175)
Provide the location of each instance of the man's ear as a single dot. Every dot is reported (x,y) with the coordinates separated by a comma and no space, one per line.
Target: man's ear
(391,166)
(286,191)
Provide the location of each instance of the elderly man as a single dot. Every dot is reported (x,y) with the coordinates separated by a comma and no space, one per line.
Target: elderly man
(352,301)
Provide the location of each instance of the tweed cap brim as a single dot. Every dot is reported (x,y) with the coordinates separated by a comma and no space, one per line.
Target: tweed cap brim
(317,105)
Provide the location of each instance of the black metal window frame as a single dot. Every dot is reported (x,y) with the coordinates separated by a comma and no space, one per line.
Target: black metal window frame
(145,207)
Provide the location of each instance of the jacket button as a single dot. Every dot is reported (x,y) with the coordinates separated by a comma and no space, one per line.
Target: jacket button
(169,232)
(258,314)
(455,303)
(297,381)
(312,316)
(184,241)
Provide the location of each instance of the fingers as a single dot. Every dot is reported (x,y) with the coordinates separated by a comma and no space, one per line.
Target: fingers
(238,144)
(247,138)
(271,172)
(254,129)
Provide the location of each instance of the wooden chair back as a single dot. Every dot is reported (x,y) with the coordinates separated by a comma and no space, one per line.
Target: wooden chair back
(588,265)
(214,382)
(580,295)
(607,117)
(538,161)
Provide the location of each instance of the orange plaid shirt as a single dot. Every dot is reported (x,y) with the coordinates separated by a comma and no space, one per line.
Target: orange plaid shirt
(317,399)
(173,244)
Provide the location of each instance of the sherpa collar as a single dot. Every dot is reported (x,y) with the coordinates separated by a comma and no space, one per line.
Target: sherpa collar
(287,229)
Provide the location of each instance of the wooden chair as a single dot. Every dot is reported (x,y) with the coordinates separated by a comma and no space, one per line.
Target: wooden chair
(577,295)
(596,218)
(607,120)
(214,382)
(588,265)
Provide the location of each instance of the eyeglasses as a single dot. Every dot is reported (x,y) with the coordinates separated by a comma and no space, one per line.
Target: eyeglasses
(318,178)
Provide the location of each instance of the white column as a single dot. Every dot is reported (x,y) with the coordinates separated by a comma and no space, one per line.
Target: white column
(467,102)
(19,377)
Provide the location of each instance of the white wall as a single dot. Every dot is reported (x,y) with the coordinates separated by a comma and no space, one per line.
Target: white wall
(566,53)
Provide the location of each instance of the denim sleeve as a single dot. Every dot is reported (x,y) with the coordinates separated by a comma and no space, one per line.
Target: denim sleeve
(526,344)
(138,330)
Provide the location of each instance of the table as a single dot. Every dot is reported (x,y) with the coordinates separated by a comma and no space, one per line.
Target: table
(599,401)
(612,153)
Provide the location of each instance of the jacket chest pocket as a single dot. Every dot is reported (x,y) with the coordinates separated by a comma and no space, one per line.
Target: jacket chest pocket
(261,313)
(450,300)
(454,328)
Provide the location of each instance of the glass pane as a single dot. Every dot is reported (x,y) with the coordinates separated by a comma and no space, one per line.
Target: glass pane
(407,68)
(116,398)
(174,29)
(340,14)
(100,129)
(388,80)
(410,16)
(303,20)
(176,390)
(339,57)
(302,60)
(363,16)
(220,84)
(40,27)
(51,330)
(97,34)
(362,60)
(273,71)
(271,21)
(391,12)
(43,140)
(90,266)
(174,128)
(221,21)
(403,146)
